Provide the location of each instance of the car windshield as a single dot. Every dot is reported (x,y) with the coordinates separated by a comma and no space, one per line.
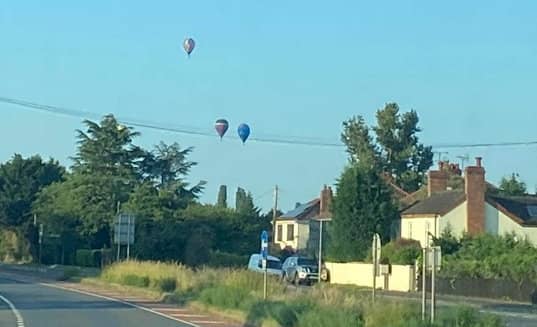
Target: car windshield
(306,262)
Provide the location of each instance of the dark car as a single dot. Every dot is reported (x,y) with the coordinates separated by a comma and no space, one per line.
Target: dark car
(299,270)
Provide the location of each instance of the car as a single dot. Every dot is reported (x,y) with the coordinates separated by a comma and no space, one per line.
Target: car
(300,270)
(274,264)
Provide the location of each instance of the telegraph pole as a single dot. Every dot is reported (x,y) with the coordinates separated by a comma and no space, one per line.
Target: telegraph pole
(274,214)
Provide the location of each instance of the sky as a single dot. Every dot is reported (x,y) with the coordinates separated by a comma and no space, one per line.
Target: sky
(290,69)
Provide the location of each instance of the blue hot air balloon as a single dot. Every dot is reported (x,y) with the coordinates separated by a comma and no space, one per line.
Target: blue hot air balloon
(244,132)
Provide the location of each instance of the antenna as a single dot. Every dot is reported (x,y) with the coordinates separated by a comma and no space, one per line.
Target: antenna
(440,153)
(463,159)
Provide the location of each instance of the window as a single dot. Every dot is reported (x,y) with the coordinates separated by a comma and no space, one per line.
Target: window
(290,232)
(279,233)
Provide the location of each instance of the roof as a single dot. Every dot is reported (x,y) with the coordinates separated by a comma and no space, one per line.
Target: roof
(303,211)
(523,209)
(437,204)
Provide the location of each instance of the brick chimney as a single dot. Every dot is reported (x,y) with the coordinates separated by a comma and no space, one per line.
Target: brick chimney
(474,185)
(326,202)
(437,179)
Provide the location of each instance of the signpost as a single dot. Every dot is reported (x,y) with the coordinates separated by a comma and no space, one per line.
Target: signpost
(321,220)
(376,261)
(40,242)
(264,255)
(124,232)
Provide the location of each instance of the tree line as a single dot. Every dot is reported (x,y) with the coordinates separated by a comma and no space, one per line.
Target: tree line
(109,175)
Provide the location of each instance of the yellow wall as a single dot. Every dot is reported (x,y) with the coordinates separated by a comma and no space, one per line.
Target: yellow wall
(455,219)
(401,279)
(414,228)
(497,223)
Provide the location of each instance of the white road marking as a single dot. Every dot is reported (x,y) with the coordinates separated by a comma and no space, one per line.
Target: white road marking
(187,315)
(118,301)
(208,322)
(18,316)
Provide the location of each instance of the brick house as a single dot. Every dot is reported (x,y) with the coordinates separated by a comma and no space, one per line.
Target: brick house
(474,209)
(298,229)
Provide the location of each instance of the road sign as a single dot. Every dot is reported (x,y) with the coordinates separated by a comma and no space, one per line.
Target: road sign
(434,258)
(376,248)
(124,229)
(264,244)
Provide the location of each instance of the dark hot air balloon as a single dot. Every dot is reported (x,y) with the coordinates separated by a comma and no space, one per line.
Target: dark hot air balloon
(244,132)
(221,127)
(189,45)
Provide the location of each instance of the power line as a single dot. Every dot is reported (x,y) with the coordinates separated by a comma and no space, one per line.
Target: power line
(188,130)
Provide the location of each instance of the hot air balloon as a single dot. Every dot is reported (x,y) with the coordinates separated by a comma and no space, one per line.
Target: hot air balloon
(244,132)
(221,127)
(189,45)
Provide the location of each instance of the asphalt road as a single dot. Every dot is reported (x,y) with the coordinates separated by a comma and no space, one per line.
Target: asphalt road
(42,306)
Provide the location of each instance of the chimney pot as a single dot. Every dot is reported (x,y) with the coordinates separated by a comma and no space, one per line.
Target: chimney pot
(478,161)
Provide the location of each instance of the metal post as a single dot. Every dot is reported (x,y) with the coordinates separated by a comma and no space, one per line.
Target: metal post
(118,236)
(320,248)
(374,269)
(40,243)
(128,236)
(265,281)
(274,213)
(424,284)
(433,267)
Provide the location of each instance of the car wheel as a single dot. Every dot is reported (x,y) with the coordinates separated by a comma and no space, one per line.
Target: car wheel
(283,278)
(296,280)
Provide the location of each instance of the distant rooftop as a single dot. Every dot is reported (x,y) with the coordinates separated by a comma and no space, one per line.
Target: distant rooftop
(303,211)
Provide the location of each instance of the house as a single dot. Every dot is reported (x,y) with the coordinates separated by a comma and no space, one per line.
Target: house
(474,208)
(298,229)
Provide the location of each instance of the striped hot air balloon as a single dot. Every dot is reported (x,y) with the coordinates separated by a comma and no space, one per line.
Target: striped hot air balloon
(221,127)
(189,45)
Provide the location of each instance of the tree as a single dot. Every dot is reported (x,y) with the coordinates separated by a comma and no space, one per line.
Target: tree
(222,197)
(362,206)
(395,149)
(512,186)
(21,180)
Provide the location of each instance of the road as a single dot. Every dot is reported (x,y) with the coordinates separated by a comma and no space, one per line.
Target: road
(37,305)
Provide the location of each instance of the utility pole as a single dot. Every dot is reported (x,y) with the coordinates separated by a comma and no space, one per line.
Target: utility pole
(274,214)
(424,274)
(40,242)
(118,230)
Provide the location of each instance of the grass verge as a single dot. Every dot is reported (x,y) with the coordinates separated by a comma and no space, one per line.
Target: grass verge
(239,294)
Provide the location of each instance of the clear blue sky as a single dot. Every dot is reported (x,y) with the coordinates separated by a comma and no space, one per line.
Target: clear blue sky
(285,67)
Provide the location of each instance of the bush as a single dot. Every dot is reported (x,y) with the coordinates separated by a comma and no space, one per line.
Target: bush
(68,273)
(167,284)
(225,297)
(135,280)
(84,258)
(492,257)
(229,260)
(400,252)
(334,317)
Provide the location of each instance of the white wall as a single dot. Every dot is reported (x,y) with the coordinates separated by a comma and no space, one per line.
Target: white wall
(284,242)
(401,279)
(496,222)
(455,219)
(414,228)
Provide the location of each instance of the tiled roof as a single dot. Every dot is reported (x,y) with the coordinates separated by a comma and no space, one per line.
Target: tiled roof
(437,204)
(522,207)
(303,211)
